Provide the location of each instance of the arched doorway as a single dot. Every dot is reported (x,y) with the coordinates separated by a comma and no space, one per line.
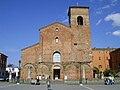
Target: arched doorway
(56,72)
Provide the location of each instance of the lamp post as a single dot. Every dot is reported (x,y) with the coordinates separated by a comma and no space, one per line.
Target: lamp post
(80,82)
(19,71)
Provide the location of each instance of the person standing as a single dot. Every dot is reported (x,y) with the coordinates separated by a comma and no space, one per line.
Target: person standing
(110,80)
(40,78)
(37,80)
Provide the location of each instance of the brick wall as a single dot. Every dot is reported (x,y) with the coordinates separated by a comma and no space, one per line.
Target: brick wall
(73,44)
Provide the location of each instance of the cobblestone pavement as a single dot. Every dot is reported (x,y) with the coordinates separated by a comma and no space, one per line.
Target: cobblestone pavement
(8,86)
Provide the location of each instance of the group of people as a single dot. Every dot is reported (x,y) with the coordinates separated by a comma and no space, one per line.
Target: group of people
(109,80)
(38,78)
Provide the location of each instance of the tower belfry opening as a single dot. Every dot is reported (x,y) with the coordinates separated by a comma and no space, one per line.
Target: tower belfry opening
(80,20)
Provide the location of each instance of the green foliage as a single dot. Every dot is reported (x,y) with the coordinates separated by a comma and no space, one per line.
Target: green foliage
(96,70)
(109,72)
(10,65)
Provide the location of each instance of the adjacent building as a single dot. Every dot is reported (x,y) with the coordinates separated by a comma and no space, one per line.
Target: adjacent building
(115,60)
(101,58)
(63,52)
(3,62)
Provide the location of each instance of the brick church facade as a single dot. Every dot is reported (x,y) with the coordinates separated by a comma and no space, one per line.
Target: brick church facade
(63,52)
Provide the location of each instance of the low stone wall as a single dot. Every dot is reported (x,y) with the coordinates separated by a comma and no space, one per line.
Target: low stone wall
(91,82)
(74,82)
(117,80)
(29,81)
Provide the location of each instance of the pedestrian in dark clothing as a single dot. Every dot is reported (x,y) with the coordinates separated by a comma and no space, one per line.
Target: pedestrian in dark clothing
(48,83)
(37,80)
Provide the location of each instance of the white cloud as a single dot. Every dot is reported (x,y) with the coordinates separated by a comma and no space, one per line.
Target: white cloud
(113,2)
(108,33)
(99,11)
(11,50)
(106,7)
(116,33)
(115,18)
(99,21)
(66,20)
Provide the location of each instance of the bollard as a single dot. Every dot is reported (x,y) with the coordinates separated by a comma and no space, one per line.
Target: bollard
(86,80)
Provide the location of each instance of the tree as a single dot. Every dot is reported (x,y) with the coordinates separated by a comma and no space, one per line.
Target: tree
(10,65)
(96,70)
(109,72)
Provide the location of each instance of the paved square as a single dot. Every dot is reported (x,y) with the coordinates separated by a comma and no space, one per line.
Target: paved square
(8,86)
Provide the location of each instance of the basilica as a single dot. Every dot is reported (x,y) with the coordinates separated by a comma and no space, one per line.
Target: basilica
(63,52)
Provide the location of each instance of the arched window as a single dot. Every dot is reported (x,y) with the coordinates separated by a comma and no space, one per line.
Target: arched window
(56,39)
(56,57)
(80,20)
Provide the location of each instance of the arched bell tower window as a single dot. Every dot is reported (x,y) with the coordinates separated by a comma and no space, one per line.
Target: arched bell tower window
(56,56)
(80,20)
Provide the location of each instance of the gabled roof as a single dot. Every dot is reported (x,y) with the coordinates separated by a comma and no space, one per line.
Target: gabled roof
(3,54)
(53,24)
(30,46)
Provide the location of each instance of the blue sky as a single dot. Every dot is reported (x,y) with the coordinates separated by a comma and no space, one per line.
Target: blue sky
(21,19)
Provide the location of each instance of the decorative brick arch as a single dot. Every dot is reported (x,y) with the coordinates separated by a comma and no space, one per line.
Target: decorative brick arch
(43,70)
(61,71)
(71,72)
(25,71)
(61,67)
(88,71)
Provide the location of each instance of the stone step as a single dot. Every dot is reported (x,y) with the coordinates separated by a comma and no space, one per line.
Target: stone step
(57,82)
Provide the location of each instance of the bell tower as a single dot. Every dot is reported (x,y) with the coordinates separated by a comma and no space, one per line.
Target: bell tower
(78,16)
(81,42)
(80,27)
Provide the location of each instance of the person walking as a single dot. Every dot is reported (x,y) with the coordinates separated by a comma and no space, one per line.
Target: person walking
(48,83)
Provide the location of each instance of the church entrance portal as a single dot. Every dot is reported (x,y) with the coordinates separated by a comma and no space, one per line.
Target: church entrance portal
(56,73)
